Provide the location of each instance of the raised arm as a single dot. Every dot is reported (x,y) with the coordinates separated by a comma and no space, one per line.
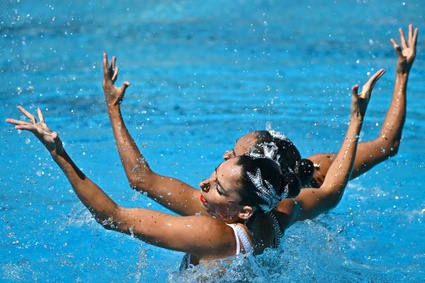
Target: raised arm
(313,202)
(185,234)
(386,145)
(99,204)
(169,192)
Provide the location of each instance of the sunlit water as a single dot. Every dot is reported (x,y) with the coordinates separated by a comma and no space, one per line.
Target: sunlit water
(204,73)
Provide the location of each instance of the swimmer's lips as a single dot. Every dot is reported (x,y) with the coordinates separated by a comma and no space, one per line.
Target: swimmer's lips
(203,200)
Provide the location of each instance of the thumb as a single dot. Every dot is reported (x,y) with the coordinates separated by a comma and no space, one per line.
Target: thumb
(397,48)
(124,86)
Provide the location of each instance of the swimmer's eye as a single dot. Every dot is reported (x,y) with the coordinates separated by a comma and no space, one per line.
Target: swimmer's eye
(218,188)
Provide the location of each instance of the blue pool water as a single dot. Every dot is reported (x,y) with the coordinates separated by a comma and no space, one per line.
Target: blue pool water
(203,73)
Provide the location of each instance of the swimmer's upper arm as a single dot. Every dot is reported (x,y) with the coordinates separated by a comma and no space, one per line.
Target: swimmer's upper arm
(172,193)
(203,236)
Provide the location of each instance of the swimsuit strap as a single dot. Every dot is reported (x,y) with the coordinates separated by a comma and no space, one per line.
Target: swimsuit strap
(241,236)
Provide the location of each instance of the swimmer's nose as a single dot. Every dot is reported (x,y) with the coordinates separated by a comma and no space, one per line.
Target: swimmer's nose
(228,154)
(205,185)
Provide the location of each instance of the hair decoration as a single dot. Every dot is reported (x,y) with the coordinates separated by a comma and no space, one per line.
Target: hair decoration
(276,134)
(270,151)
(266,191)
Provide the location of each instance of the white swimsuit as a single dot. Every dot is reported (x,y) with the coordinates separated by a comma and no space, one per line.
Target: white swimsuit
(241,237)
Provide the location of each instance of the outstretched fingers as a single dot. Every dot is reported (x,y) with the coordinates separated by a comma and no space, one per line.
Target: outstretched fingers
(49,138)
(411,39)
(28,114)
(413,36)
(40,115)
(23,125)
(406,51)
(110,72)
(114,95)
(114,69)
(115,75)
(403,38)
(18,123)
(105,65)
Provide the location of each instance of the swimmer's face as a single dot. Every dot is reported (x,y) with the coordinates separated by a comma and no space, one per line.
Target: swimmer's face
(243,145)
(220,192)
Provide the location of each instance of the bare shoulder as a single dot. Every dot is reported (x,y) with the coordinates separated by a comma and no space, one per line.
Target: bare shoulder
(321,162)
(206,237)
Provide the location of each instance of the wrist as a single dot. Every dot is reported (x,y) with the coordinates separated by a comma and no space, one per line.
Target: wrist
(355,126)
(401,78)
(356,117)
(113,107)
(402,75)
(58,154)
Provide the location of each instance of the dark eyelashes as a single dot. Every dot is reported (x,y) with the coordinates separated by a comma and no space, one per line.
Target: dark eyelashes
(217,186)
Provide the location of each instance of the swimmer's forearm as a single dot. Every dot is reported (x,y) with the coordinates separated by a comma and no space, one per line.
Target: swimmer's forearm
(396,116)
(132,159)
(316,201)
(169,192)
(391,131)
(339,172)
(91,195)
(387,143)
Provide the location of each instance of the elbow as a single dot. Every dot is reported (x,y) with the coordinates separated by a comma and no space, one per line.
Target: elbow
(108,221)
(138,183)
(333,204)
(391,146)
(134,185)
(141,181)
(335,199)
(393,149)
(139,186)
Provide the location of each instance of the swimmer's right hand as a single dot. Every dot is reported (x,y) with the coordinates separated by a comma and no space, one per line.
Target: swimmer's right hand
(406,53)
(40,129)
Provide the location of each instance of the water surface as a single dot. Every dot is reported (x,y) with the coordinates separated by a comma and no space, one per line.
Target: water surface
(203,74)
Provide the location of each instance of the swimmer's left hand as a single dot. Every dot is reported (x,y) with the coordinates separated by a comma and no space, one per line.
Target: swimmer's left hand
(113,95)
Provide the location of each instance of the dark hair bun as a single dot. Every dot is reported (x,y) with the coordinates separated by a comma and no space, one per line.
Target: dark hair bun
(305,171)
(293,183)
